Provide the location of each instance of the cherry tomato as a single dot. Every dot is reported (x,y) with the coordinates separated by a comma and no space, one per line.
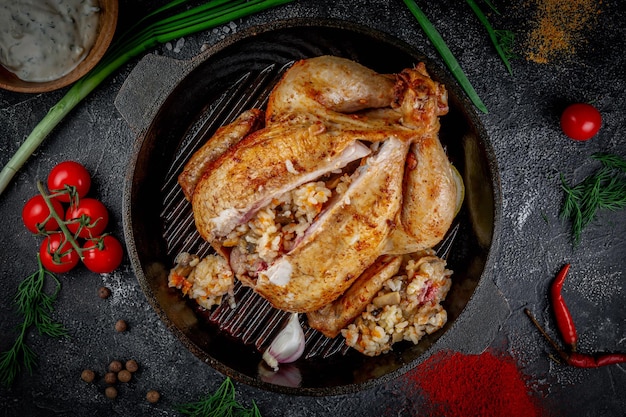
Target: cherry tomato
(103,255)
(581,121)
(36,211)
(64,263)
(69,173)
(91,214)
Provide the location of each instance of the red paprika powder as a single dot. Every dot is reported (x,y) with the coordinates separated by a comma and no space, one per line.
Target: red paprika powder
(455,385)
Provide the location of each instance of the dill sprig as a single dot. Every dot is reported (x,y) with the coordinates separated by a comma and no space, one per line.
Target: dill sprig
(604,189)
(34,305)
(221,403)
(502,40)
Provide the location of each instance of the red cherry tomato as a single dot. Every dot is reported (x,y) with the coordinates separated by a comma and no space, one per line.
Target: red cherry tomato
(91,214)
(581,121)
(103,256)
(69,173)
(36,211)
(58,264)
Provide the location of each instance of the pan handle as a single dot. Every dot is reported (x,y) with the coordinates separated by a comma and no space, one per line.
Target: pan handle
(147,86)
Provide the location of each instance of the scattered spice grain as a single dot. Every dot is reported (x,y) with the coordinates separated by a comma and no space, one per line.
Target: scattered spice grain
(115,366)
(132,366)
(104,292)
(110,392)
(88,375)
(153,396)
(110,378)
(558,28)
(120,326)
(124,376)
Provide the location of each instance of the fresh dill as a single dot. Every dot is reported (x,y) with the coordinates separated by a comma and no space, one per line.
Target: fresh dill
(603,189)
(34,305)
(502,40)
(220,403)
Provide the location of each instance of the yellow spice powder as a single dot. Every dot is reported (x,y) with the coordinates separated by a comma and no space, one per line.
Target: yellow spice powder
(558,28)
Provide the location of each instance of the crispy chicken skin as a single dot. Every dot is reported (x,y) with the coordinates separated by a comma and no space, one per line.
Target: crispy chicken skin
(331,318)
(429,187)
(344,241)
(224,138)
(322,116)
(330,87)
(262,166)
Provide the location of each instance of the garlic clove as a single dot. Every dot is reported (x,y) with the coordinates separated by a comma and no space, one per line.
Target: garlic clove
(287,346)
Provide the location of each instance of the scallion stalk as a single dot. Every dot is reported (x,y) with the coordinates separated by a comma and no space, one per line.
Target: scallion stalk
(445,53)
(140,38)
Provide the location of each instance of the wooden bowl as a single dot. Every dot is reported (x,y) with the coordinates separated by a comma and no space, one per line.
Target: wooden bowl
(106,30)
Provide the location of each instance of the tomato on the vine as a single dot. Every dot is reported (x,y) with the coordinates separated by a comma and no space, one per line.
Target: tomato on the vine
(103,255)
(65,260)
(581,121)
(69,173)
(89,213)
(35,212)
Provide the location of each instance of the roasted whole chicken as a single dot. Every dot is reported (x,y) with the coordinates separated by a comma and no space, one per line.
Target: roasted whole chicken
(317,196)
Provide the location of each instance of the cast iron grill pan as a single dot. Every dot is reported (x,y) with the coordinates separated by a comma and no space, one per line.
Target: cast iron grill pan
(233,77)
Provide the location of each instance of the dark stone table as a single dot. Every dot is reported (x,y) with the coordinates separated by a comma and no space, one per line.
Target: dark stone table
(531,152)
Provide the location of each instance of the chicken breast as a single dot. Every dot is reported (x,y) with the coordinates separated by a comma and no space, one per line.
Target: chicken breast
(264,165)
(344,241)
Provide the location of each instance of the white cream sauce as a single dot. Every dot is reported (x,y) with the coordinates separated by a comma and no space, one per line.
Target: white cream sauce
(43,40)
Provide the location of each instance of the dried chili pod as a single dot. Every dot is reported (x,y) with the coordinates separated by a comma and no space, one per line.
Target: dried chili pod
(580,360)
(564,320)
(611,359)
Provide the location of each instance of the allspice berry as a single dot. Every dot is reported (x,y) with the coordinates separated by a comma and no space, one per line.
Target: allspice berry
(121,326)
(124,375)
(110,392)
(110,378)
(104,292)
(115,366)
(153,396)
(132,366)
(88,375)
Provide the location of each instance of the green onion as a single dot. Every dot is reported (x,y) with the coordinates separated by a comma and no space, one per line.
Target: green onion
(445,54)
(492,7)
(140,38)
(502,39)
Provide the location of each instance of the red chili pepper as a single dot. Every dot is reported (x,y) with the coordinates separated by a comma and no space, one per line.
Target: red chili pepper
(564,320)
(611,359)
(580,360)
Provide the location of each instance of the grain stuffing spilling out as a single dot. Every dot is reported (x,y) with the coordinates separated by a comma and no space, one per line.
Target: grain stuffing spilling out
(329,203)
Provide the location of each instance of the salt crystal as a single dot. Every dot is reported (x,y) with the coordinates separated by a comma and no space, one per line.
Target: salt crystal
(179,45)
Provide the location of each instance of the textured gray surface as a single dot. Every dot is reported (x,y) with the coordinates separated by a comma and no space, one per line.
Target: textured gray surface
(531,152)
